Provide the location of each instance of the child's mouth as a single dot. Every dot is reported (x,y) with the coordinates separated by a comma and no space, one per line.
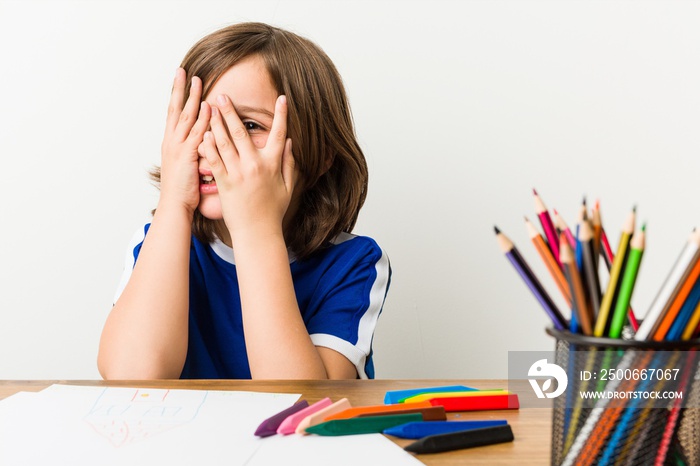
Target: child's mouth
(208,179)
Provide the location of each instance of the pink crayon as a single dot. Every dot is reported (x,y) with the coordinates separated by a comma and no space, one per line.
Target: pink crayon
(319,416)
(289,425)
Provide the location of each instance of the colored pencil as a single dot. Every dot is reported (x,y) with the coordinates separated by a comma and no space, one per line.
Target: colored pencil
(574,325)
(680,296)
(648,418)
(633,411)
(590,270)
(511,252)
(675,412)
(685,314)
(597,225)
(636,250)
(547,225)
(692,324)
(552,265)
(606,250)
(577,410)
(602,417)
(581,309)
(670,287)
(645,442)
(608,262)
(609,257)
(564,228)
(602,323)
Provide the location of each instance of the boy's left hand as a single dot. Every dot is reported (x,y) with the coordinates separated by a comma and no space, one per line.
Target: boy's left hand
(255,184)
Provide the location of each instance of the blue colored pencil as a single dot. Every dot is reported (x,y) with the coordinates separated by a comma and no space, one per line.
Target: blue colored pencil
(679,324)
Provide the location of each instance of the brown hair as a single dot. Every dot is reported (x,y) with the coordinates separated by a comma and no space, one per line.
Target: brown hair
(331,164)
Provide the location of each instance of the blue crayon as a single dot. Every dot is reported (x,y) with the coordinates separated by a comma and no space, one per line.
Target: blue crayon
(395,396)
(416,430)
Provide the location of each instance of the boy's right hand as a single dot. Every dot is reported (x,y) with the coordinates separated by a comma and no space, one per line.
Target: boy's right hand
(184,131)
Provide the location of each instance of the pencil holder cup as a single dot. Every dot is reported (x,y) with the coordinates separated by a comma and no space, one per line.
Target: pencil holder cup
(626,402)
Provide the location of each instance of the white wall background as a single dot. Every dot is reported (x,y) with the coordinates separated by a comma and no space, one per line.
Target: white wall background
(461,107)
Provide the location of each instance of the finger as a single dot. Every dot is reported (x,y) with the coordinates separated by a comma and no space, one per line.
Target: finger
(239,135)
(177,97)
(201,125)
(224,145)
(289,173)
(277,140)
(188,116)
(211,153)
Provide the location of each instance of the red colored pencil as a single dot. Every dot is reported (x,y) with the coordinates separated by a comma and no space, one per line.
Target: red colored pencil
(547,226)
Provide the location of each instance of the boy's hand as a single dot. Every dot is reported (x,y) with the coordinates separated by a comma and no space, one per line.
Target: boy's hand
(255,185)
(184,130)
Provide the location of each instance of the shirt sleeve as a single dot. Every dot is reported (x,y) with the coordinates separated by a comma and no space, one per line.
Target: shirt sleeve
(348,313)
(132,253)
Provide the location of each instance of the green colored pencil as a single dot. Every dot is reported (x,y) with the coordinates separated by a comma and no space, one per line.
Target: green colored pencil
(628,279)
(618,266)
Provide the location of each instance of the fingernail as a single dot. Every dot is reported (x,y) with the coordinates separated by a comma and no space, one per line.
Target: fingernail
(214,111)
(221,99)
(283,99)
(207,135)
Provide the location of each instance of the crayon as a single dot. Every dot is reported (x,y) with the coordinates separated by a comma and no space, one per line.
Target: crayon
(270,425)
(416,430)
(395,396)
(369,410)
(361,425)
(478,403)
(463,439)
(289,425)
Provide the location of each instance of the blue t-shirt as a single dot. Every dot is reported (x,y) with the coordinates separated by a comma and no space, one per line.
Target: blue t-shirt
(340,291)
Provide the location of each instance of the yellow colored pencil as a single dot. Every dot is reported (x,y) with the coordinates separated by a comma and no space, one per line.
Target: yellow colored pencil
(616,273)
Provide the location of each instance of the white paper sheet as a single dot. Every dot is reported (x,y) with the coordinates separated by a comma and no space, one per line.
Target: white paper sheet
(79,425)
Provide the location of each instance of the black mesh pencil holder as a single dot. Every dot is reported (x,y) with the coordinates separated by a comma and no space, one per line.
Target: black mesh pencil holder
(626,402)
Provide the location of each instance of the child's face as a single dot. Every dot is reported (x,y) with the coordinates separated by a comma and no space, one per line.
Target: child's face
(250,88)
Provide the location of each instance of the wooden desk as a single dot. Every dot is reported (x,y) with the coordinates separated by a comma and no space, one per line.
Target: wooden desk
(531,427)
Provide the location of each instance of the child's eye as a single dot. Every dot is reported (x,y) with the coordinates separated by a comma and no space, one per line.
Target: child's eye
(252,126)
